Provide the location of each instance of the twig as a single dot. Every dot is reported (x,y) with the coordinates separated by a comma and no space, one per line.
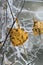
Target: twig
(13,22)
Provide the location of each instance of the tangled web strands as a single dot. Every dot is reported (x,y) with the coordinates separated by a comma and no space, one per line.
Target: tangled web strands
(23,1)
